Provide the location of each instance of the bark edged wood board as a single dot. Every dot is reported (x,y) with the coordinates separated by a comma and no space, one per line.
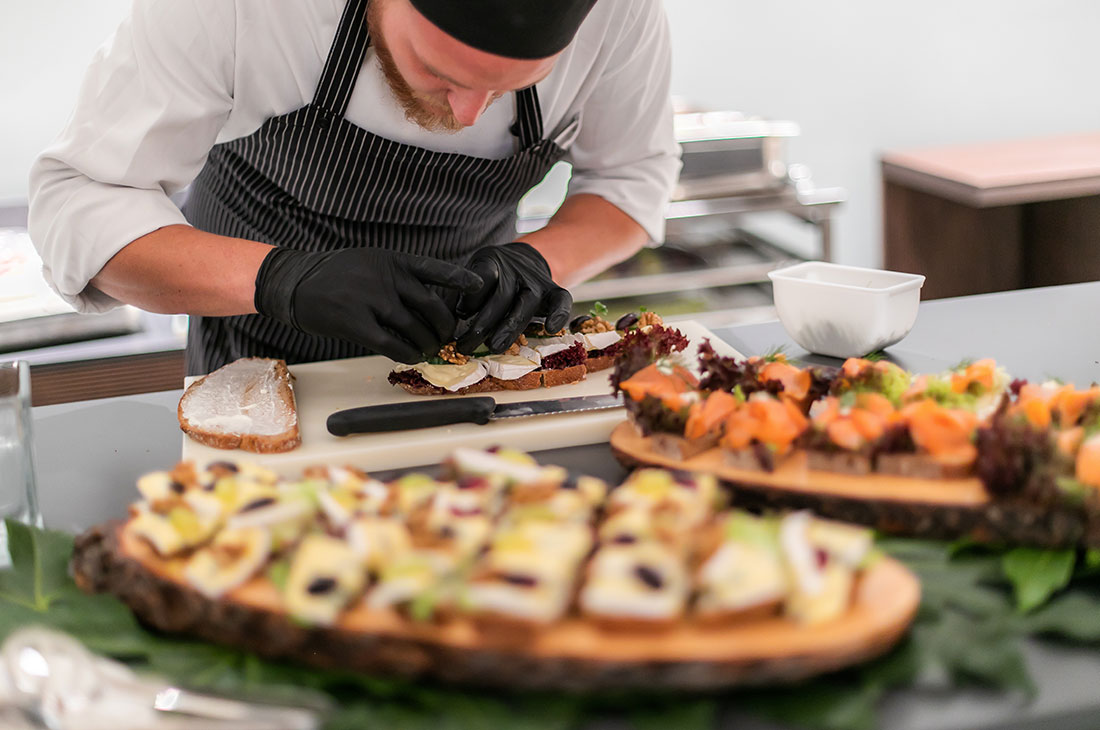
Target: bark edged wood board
(574,654)
(932,508)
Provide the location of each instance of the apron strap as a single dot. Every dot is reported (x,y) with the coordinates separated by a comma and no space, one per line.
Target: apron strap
(528,124)
(345,58)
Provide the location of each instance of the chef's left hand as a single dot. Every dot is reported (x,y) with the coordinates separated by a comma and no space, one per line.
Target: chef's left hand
(517,287)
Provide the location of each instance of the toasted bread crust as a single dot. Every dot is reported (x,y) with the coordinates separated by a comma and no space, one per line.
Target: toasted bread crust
(678,447)
(594,364)
(564,376)
(256,443)
(843,462)
(920,466)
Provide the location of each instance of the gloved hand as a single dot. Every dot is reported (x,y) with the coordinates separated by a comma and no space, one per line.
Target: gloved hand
(373,297)
(517,287)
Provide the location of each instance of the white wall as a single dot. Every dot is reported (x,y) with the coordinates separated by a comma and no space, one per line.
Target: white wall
(44,47)
(859,76)
(863,76)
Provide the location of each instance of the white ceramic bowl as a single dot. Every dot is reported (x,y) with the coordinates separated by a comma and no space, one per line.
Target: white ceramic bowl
(845,311)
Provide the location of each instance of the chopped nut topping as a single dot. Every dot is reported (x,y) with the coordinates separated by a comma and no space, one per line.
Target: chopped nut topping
(451,354)
(648,319)
(227,553)
(521,341)
(596,324)
(184,473)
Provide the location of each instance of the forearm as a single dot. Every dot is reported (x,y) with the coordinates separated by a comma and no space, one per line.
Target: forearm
(179,269)
(585,237)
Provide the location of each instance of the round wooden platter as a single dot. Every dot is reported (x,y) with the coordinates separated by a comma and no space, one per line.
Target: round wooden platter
(932,508)
(573,654)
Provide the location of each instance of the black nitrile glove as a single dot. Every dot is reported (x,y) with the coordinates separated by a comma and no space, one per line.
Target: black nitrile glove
(370,296)
(517,287)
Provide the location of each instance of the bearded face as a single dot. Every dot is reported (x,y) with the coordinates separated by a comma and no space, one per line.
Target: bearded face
(442,84)
(432,112)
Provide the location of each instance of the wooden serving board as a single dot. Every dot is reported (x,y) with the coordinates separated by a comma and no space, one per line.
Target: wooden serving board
(573,654)
(932,508)
(323,388)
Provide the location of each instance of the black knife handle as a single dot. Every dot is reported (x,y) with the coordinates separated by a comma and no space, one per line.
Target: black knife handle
(405,416)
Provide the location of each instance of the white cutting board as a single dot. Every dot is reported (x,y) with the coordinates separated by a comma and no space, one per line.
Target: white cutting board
(322,388)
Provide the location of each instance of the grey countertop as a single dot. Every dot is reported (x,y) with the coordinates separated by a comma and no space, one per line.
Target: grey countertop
(90,453)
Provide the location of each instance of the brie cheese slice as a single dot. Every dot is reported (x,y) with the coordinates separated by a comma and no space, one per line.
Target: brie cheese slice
(600,340)
(449,377)
(511,367)
(546,346)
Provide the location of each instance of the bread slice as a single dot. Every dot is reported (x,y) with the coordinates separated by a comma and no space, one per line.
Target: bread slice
(412,382)
(563,376)
(247,404)
(921,466)
(600,362)
(843,462)
(678,447)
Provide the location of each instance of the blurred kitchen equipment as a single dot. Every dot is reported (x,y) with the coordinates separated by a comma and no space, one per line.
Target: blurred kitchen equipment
(18,495)
(730,153)
(49,680)
(845,311)
(33,315)
(740,209)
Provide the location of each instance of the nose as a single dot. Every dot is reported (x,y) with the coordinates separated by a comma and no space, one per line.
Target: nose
(468,104)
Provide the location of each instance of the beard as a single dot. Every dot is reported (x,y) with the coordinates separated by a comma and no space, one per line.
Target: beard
(425,111)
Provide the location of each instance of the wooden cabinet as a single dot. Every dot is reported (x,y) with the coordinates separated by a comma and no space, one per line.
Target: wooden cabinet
(995,216)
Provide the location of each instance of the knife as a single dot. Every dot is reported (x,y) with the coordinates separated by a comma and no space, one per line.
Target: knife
(480,410)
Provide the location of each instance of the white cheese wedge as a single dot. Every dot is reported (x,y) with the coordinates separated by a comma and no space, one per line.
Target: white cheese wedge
(794,539)
(847,543)
(449,377)
(739,576)
(827,604)
(541,603)
(600,340)
(473,461)
(546,346)
(509,367)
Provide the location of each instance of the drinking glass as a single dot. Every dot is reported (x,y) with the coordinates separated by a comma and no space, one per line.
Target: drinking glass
(18,497)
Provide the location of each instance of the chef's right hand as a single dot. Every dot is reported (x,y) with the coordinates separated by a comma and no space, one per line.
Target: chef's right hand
(369,296)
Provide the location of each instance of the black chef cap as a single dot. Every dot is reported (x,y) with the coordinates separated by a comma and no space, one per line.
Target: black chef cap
(527,29)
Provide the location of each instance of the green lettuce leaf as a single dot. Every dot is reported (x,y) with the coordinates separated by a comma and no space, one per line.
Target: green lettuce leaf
(1037,574)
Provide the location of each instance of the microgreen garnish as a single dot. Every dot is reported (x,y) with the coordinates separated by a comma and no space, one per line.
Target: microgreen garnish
(778,352)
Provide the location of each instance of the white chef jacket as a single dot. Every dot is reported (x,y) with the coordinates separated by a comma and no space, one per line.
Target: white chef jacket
(180,76)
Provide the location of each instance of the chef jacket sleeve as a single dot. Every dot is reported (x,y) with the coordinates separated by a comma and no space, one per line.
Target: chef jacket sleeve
(626,151)
(149,109)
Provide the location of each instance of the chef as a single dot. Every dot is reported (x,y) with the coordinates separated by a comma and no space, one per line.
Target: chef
(354,169)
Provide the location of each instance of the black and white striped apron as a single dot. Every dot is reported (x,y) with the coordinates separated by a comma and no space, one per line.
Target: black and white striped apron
(312,180)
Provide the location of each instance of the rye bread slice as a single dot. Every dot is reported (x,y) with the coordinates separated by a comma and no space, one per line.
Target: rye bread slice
(601,362)
(921,466)
(247,404)
(563,376)
(412,382)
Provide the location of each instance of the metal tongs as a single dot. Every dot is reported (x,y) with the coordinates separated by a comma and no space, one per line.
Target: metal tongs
(49,680)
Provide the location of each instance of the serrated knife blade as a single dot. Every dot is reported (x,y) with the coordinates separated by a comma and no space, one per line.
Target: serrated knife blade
(575,404)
